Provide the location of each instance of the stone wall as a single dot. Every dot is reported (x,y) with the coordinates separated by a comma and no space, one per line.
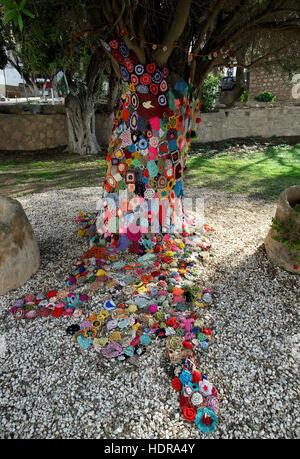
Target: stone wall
(261,80)
(29,131)
(264,122)
(36,131)
(32,132)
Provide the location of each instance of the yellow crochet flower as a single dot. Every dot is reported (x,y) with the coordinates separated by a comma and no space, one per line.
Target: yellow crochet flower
(102,315)
(115,336)
(136,155)
(100,272)
(172,122)
(100,341)
(132,308)
(198,323)
(136,326)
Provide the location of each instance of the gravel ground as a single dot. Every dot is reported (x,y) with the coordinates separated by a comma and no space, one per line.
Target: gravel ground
(51,388)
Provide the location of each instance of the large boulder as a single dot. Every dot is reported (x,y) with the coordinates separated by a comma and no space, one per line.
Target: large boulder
(19,251)
(284,237)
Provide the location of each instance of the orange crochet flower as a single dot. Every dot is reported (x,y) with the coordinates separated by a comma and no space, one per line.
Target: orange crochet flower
(177,291)
(147,279)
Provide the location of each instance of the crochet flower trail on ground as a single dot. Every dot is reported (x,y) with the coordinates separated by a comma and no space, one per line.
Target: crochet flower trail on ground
(155,296)
(152,296)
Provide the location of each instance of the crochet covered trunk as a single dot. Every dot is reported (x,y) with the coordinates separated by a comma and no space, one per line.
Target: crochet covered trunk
(143,187)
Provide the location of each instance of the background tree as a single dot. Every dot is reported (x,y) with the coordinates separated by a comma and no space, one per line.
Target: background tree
(3,56)
(275,52)
(42,48)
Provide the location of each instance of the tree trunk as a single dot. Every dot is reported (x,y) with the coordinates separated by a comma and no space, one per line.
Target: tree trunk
(32,87)
(143,187)
(81,126)
(230,97)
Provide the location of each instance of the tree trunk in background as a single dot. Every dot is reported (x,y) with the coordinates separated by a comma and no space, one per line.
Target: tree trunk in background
(81,125)
(32,87)
(230,97)
(80,111)
(112,92)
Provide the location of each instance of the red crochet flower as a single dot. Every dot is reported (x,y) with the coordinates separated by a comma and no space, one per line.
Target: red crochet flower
(196,377)
(172,322)
(57,312)
(207,421)
(214,392)
(184,401)
(207,331)
(189,413)
(177,384)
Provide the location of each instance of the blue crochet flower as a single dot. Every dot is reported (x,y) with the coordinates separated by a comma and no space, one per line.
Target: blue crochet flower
(206,424)
(185,377)
(145,339)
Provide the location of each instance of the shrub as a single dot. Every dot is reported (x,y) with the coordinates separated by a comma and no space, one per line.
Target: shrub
(265,96)
(210,91)
(245,97)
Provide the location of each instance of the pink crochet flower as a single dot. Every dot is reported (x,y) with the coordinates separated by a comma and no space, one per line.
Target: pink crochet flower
(187,324)
(152,308)
(112,350)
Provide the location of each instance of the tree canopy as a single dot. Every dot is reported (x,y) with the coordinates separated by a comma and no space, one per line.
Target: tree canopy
(195,35)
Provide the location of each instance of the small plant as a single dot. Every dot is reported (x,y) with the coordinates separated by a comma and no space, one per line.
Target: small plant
(288,234)
(245,97)
(265,96)
(210,91)
(62,87)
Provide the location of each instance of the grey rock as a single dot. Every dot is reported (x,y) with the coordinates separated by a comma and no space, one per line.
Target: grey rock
(19,251)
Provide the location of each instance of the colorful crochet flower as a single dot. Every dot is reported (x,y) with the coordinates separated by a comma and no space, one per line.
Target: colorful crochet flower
(212,403)
(184,401)
(177,384)
(112,350)
(185,377)
(205,387)
(206,420)
(189,413)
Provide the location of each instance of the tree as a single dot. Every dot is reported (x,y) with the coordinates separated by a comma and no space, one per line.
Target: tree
(275,52)
(3,56)
(162,53)
(42,49)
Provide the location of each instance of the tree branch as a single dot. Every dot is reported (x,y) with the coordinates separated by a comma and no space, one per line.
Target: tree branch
(175,30)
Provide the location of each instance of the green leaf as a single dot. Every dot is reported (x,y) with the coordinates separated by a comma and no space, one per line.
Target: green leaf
(20,22)
(28,13)
(9,15)
(22,4)
(9,3)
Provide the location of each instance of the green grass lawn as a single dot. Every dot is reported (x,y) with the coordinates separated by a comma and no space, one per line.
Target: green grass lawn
(262,172)
(255,168)
(54,170)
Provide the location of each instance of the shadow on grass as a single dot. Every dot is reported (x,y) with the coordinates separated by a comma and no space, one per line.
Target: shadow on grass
(281,169)
(15,184)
